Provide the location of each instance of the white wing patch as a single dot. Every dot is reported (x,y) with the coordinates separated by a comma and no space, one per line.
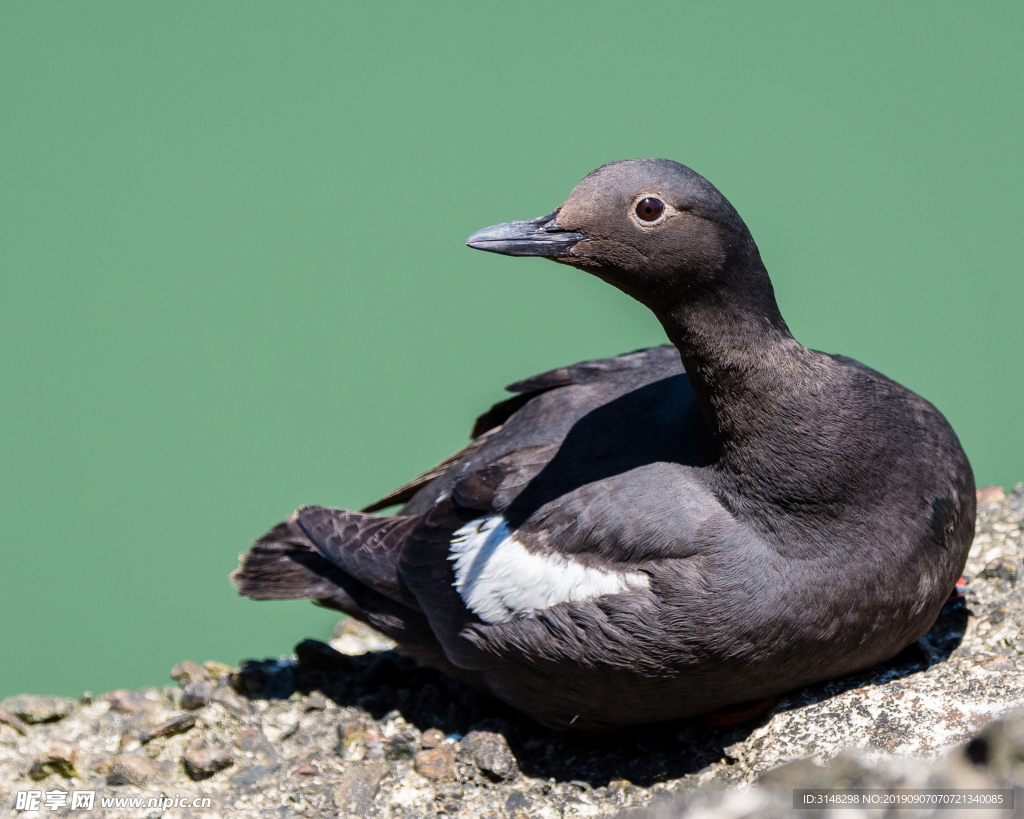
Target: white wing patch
(499,580)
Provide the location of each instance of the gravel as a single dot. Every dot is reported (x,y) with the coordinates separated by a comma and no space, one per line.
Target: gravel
(354,729)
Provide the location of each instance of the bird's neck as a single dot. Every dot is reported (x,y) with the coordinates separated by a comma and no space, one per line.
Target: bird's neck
(744,364)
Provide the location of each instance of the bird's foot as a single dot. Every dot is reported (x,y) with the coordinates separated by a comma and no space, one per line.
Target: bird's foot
(958,590)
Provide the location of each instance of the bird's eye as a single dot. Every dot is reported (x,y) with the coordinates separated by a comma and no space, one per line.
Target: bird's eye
(649,209)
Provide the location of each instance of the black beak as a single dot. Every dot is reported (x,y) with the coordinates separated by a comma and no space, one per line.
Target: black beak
(527,237)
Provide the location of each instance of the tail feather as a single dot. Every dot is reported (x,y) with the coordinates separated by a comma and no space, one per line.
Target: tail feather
(280,571)
(287,531)
(345,561)
(366,547)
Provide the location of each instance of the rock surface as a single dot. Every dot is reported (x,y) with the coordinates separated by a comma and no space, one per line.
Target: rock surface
(34,709)
(357,730)
(992,760)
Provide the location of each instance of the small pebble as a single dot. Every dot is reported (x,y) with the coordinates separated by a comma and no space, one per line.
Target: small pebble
(247,777)
(35,709)
(491,754)
(518,805)
(354,638)
(195,695)
(997,663)
(218,670)
(990,494)
(204,763)
(14,721)
(175,725)
(62,758)
(374,741)
(431,738)
(1001,568)
(358,788)
(129,769)
(128,742)
(127,702)
(436,763)
(350,730)
(255,741)
(398,748)
(189,672)
(230,700)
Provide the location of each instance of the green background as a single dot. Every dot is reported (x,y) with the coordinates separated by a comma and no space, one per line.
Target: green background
(233,279)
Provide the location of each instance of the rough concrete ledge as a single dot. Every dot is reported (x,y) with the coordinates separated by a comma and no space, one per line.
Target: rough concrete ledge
(353,729)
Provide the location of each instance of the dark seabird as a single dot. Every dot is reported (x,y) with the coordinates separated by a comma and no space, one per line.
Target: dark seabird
(668,532)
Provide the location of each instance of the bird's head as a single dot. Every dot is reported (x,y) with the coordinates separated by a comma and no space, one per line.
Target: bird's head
(651,227)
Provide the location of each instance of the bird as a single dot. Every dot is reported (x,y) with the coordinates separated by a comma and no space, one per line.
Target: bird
(666,533)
